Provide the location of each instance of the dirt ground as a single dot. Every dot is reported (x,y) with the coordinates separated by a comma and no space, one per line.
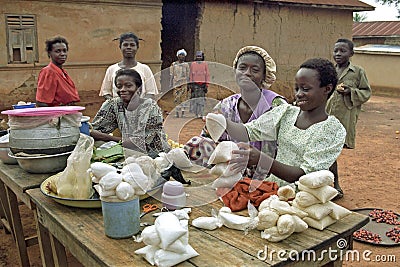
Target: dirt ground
(369,176)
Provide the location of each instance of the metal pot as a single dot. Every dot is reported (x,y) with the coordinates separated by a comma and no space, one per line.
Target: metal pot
(47,139)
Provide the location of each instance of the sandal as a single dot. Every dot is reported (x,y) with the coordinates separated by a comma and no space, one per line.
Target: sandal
(339,195)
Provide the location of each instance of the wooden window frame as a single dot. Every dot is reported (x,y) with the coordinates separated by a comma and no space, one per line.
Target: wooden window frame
(21,39)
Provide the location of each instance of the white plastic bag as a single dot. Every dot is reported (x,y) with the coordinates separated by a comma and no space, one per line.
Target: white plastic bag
(216,125)
(75,182)
(317,179)
(169,229)
(324,193)
(99,169)
(223,152)
(164,258)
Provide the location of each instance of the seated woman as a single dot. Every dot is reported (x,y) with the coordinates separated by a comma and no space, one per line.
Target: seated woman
(309,139)
(253,65)
(139,119)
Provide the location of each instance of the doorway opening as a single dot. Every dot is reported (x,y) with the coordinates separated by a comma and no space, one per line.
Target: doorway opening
(179,21)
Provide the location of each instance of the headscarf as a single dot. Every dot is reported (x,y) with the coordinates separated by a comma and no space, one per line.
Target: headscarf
(182,51)
(270,66)
(199,53)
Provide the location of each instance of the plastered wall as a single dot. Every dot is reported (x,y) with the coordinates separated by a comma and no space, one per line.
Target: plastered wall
(89,29)
(382,71)
(290,35)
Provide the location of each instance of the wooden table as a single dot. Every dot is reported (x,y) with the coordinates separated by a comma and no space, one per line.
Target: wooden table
(81,231)
(14,182)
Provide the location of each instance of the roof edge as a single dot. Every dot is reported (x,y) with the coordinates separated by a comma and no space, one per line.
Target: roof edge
(367,7)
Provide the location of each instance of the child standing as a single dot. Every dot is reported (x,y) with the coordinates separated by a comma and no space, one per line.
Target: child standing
(352,91)
(309,139)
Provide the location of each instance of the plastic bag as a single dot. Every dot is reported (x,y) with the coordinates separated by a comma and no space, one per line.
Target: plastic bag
(75,182)
(317,179)
(29,122)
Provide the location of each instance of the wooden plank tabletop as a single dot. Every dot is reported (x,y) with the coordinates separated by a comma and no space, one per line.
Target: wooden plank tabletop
(19,180)
(81,231)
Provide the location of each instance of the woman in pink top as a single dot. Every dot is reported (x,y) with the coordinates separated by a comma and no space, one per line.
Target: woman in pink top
(55,86)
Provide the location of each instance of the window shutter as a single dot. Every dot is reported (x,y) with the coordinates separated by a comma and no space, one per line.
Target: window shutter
(22,38)
(15,45)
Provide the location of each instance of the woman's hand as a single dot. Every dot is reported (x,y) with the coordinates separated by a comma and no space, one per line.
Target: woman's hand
(247,155)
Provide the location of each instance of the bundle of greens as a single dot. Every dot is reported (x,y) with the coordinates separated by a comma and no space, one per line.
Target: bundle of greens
(112,154)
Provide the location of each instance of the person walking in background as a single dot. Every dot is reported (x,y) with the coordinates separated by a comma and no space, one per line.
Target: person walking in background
(129,45)
(179,73)
(352,91)
(55,87)
(199,80)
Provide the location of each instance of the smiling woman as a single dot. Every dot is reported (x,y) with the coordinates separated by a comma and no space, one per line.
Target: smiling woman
(309,140)
(255,73)
(138,119)
(55,86)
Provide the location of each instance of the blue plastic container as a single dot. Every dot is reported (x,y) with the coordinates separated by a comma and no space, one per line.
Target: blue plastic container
(121,219)
(31,105)
(85,125)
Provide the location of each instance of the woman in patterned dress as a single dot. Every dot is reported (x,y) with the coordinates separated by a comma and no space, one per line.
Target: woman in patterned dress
(252,64)
(179,73)
(309,139)
(139,119)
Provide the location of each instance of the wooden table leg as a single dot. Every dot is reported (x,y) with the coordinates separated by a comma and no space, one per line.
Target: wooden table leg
(2,215)
(46,252)
(17,227)
(59,252)
(5,215)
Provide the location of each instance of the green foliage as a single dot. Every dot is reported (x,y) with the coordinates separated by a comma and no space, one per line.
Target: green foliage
(357,17)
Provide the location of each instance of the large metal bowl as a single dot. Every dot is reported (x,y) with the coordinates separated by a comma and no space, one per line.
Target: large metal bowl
(43,164)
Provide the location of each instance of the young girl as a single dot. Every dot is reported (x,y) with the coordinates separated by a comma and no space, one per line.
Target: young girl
(129,45)
(309,139)
(139,119)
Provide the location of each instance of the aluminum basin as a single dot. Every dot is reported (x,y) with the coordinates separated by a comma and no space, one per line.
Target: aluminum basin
(43,164)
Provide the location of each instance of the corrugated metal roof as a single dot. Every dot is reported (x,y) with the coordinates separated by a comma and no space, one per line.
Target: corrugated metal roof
(355,5)
(376,28)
